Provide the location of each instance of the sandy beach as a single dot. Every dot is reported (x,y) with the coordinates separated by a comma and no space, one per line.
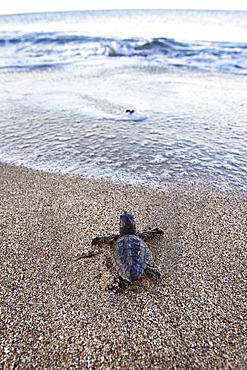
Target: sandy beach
(57,311)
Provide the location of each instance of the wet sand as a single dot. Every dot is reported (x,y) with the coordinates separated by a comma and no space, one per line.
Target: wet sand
(57,311)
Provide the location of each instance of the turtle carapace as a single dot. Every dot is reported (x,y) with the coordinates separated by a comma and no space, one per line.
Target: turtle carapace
(130,252)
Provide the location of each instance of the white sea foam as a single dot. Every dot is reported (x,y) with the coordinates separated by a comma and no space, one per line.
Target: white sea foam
(117,109)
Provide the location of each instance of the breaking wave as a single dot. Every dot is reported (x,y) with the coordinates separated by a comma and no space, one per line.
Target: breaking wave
(51,49)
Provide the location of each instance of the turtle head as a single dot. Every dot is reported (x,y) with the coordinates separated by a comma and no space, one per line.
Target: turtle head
(127,224)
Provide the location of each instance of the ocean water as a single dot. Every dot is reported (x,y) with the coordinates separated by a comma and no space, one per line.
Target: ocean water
(212,40)
(152,97)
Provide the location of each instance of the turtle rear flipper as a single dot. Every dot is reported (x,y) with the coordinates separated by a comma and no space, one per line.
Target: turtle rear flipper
(151,271)
(119,284)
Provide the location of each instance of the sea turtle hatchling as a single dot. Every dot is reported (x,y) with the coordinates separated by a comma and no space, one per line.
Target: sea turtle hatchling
(130,252)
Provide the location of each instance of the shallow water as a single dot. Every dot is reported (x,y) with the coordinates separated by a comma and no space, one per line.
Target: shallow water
(187,126)
(67,80)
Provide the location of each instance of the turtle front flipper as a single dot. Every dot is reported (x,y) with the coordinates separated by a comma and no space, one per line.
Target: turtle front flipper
(98,240)
(148,233)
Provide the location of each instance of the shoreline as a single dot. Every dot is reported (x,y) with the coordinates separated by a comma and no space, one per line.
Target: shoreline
(57,310)
(194,131)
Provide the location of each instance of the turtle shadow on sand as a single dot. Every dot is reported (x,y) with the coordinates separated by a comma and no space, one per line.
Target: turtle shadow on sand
(130,253)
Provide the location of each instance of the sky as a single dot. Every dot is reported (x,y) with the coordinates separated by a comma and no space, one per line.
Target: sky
(31,6)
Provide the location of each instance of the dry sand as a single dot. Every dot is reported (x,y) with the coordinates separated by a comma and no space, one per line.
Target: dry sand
(56,309)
